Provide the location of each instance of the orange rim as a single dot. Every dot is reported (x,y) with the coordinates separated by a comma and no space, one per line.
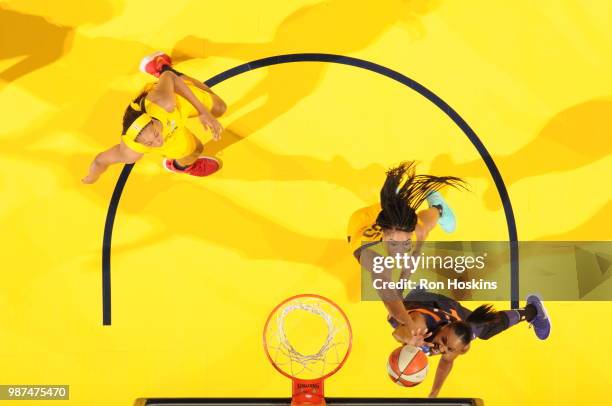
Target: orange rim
(312,295)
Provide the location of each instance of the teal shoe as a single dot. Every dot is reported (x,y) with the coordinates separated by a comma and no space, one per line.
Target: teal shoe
(447,220)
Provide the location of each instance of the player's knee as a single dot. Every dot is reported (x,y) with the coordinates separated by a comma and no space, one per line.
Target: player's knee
(219,107)
(199,148)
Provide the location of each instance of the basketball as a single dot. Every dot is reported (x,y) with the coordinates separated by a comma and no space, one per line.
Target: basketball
(407,366)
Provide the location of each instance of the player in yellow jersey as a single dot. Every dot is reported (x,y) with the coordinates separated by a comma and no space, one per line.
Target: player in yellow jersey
(155,121)
(394,221)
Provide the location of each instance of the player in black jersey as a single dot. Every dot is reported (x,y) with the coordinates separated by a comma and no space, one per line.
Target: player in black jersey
(442,326)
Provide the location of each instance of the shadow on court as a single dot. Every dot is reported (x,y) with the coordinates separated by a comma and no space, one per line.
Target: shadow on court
(563,144)
(362,26)
(596,228)
(41,39)
(184,209)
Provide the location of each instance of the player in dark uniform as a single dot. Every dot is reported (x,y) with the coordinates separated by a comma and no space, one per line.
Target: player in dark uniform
(442,326)
(436,323)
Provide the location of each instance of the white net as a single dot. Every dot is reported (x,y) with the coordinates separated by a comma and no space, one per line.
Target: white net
(308,337)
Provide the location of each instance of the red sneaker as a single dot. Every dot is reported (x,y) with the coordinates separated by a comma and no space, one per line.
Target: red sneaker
(169,165)
(152,64)
(204,166)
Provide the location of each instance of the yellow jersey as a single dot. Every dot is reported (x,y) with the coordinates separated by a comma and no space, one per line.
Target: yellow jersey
(362,230)
(179,142)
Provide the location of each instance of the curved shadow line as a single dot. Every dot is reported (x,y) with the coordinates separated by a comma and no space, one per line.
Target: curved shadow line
(359,63)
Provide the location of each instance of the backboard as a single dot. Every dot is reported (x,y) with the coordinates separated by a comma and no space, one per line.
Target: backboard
(287,402)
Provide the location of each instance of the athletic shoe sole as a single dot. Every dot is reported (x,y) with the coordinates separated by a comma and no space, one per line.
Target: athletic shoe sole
(543,310)
(219,163)
(447,213)
(145,61)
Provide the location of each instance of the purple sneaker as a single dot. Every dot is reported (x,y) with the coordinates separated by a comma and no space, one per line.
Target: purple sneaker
(541,322)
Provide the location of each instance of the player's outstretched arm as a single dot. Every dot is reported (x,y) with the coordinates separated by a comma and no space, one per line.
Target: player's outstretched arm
(391,298)
(119,153)
(397,310)
(444,368)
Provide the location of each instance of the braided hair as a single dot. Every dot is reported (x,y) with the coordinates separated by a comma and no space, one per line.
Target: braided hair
(131,114)
(463,329)
(404,191)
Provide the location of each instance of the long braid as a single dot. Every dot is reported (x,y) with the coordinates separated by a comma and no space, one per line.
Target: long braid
(404,191)
(481,315)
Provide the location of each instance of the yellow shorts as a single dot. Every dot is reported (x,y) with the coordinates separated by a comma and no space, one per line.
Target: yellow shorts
(182,144)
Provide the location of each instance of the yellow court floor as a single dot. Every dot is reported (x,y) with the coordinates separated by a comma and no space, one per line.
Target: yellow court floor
(198,264)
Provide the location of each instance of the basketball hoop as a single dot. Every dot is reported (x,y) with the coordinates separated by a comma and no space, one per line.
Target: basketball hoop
(307,338)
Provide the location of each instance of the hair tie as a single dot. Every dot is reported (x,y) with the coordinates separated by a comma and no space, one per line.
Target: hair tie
(135,106)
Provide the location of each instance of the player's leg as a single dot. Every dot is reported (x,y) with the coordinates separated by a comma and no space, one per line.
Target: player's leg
(207,97)
(156,63)
(426,221)
(159,62)
(446,216)
(188,160)
(533,313)
(193,163)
